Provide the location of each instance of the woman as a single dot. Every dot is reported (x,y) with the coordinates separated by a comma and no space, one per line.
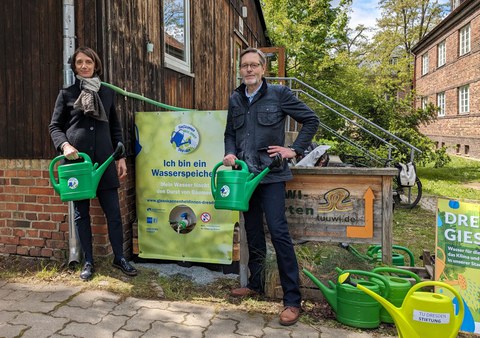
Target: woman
(85,120)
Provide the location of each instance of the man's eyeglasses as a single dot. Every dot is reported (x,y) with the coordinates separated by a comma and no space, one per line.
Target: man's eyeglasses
(251,65)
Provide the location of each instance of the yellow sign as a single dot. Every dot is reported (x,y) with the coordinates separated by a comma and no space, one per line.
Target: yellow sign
(175,155)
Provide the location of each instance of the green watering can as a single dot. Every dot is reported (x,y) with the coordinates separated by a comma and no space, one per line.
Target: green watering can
(232,189)
(398,259)
(79,180)
(398,283)
(353,307)
(421,314)
(399,287)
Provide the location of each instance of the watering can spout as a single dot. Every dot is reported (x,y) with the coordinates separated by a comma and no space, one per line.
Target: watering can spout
(254,181)
(329,293)
(97,173)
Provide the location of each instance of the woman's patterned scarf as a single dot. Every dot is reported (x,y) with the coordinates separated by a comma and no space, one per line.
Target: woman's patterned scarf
(89,101)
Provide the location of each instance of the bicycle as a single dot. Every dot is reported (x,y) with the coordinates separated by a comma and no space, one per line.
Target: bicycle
(404,196)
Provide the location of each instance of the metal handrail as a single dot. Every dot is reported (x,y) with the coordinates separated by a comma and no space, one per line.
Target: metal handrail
(289,82)
(347,119)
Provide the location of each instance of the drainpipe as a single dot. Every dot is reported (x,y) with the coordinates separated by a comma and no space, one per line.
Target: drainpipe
(75,249)
(68,41)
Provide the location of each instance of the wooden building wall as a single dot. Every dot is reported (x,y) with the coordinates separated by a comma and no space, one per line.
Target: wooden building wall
(30,75)
(31,60)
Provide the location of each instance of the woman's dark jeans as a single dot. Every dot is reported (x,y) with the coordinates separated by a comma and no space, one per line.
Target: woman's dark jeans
(269,199)
(111,207)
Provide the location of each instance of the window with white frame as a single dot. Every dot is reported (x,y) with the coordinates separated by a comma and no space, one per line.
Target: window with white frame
(441,104)
(464,40)
(442,53)
(424,102)
(424,63)
(176,19)
(464,99)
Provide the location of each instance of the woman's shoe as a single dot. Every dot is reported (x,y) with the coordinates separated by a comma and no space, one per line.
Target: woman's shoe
(87,271)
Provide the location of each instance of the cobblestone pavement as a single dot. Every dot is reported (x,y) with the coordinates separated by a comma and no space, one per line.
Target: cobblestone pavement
(37,311)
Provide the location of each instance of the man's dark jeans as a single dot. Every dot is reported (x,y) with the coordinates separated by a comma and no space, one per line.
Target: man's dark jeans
(269,199)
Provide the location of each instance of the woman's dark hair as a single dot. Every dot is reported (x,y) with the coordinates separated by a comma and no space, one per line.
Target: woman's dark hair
(91,54)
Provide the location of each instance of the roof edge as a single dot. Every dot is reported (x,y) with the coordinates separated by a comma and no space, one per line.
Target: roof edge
(458,14)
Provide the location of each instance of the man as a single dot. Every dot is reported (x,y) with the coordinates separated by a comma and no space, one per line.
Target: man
(255,133)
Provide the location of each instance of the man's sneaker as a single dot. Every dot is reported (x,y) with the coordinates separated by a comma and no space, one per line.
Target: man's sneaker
(125,266)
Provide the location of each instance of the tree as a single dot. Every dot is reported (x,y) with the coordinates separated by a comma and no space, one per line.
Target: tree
(372,78)
(403,23)
(308,28)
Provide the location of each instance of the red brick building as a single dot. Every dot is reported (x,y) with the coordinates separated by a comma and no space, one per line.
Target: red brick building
(447,74)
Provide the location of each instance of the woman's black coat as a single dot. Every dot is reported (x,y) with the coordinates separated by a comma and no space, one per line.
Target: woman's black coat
(95,138)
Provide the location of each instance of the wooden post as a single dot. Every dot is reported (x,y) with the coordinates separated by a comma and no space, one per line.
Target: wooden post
(387,233)
(243,254)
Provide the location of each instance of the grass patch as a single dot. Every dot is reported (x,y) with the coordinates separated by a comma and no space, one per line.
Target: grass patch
(414,229)
(453,180)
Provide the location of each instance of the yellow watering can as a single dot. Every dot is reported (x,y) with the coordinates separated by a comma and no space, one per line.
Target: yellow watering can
(422,314)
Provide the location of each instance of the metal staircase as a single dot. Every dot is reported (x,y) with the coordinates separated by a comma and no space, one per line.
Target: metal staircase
(309,94)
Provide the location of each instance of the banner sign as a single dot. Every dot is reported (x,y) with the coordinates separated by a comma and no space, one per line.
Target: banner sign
(457,258)
(175,155)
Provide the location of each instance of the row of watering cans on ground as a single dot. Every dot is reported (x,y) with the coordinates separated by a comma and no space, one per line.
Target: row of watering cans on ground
(388,296)
(363,303)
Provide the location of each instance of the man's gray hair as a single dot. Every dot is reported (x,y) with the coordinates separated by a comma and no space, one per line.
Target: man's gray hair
(262,56)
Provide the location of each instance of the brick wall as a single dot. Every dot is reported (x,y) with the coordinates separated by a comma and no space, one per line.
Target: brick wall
(34,221)
(458,132)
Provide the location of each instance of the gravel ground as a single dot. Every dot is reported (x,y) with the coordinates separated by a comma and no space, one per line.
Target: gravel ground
(198,274)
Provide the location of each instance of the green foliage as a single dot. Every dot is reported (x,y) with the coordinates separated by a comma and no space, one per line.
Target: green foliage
(372,78)
(442,158)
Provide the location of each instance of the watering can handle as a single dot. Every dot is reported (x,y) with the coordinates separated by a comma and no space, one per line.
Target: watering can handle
(409,253)
(386,292)
(443,285)
(398,271)
(61,157)
(213,184)
(375,248)
(237,162)
(119,151)
(55,183)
